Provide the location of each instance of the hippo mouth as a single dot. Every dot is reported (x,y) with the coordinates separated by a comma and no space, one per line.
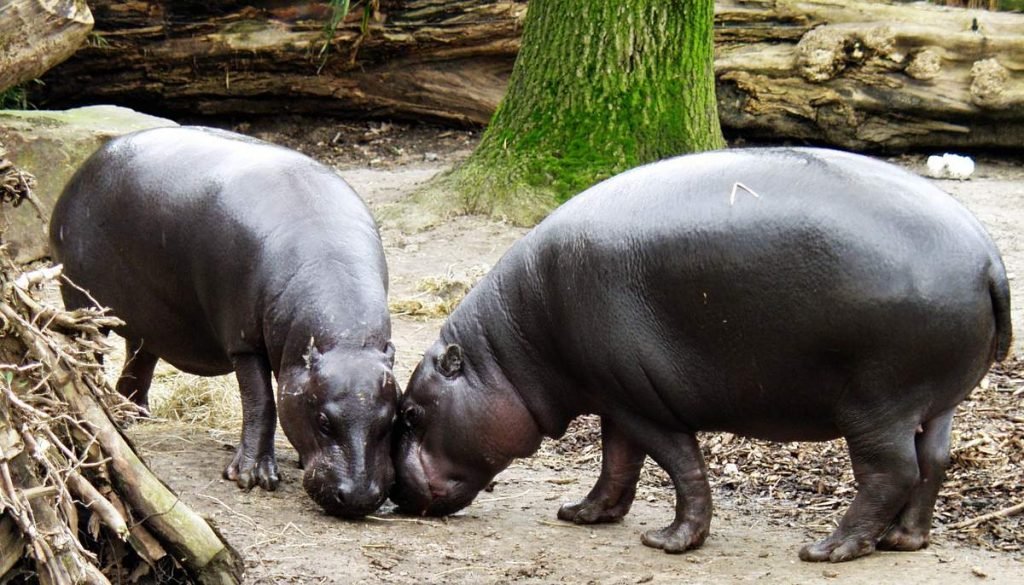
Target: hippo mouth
(419,492)
(412,492)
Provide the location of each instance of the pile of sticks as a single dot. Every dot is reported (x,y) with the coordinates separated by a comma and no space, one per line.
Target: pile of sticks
(77,504)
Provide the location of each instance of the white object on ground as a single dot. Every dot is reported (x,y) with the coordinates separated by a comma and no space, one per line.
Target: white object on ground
(950,166)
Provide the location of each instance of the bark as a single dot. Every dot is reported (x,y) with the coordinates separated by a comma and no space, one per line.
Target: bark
(868,76)
(855,74)
(440,60)
(598,87)
(35,35)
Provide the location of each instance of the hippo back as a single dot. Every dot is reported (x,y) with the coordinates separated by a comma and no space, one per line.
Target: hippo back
(194,235)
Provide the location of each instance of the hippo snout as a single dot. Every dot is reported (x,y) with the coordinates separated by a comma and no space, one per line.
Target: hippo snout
(410,500)
(432,501)
(350,501)
(411,492)
(347,497)
(420,491)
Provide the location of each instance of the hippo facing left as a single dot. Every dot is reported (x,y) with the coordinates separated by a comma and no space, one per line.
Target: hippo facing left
(224,253)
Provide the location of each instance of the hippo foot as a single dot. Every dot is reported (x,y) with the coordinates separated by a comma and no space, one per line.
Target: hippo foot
(589,511)
(677,538)
(837,550)
(249,472)
(900,538)
(141,414)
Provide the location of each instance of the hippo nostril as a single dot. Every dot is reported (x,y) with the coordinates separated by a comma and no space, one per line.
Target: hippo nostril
(342,496)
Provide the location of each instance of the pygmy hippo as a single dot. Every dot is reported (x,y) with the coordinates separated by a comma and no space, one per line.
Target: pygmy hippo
(789,294)
(224,253)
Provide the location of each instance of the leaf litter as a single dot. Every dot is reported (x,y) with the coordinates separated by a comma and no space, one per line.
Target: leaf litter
(811,484)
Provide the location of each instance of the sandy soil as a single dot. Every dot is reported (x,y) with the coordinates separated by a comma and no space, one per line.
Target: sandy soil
(510,535)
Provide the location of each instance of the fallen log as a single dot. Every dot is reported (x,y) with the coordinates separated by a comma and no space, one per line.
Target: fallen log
(419,59)
(35,35)
(856,74)
(865,75)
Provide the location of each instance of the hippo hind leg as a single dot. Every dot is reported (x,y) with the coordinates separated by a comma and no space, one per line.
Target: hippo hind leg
(612,495)
(137,374)
(912,527)
(885,466)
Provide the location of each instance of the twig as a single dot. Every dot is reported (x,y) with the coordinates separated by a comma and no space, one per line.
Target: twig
(738,185)
(409,520)
(559,524)
(1005,512)
(93,500)
(248,519)
(457,569)
(498,499)
(28,279)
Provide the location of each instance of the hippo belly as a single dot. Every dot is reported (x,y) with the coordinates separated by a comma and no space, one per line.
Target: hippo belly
(223,253)
(787,294)
(162,313)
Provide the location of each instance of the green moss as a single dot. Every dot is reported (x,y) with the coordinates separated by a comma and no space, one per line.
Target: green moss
(113,120)
(597,88)
(51,145)
(244,28)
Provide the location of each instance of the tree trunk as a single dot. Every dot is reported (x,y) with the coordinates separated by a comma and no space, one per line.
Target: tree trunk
(414,59)
(598,87)
(35,35)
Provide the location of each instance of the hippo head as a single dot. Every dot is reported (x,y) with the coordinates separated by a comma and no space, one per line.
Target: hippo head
(337,409)
(459,426)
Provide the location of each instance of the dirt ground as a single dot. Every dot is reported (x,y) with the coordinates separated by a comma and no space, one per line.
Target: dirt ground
(510,535)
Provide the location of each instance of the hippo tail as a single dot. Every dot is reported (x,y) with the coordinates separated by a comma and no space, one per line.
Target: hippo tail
(999,290)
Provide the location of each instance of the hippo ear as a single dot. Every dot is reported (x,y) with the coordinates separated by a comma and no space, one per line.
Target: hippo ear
(450,362)
(389,353)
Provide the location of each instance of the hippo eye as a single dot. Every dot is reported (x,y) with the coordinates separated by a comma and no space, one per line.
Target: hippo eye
(412,416)
(324,424)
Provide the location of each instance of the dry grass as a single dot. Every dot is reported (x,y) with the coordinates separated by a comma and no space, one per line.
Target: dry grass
(438,295)
(212,402)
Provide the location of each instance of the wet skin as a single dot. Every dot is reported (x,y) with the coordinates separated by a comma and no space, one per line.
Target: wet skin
(784,294)
(222,253)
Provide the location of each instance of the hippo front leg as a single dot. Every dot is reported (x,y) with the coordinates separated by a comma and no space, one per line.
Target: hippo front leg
(679,455)
(254,462)
(612,495)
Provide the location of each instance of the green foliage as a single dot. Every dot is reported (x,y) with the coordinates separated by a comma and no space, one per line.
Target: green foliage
(339,10)
(96,40)
(15,98)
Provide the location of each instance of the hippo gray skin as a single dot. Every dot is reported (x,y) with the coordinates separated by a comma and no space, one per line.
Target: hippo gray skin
(223,253)
(786,294)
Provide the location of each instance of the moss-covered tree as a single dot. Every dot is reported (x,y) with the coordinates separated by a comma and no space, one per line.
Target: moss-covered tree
(598,87)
